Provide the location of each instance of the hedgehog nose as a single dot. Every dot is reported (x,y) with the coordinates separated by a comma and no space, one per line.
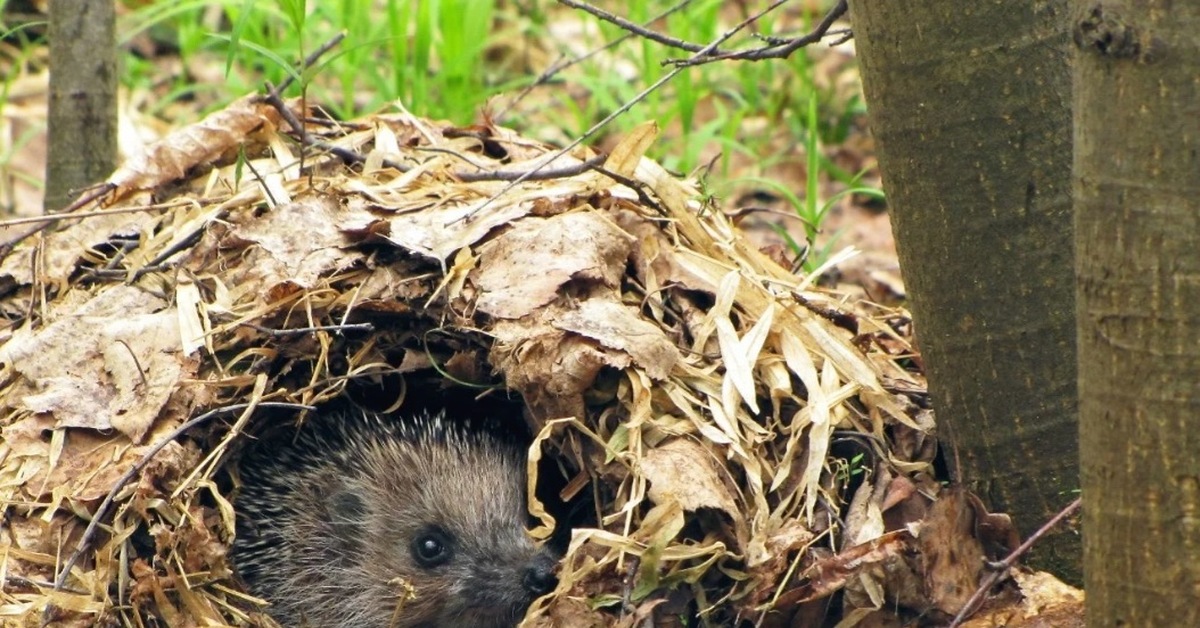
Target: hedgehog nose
(539,576)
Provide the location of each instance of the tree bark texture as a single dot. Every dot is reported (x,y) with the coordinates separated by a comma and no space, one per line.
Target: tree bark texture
(82,119)
(970,107)
(1137,190)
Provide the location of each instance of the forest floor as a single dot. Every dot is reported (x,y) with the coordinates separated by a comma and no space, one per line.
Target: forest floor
(783,146)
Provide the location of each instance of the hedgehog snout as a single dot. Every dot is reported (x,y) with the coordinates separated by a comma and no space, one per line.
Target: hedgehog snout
(539,578)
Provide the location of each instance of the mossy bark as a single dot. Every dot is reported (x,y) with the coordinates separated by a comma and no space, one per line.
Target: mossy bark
(970,106)
(1137,191)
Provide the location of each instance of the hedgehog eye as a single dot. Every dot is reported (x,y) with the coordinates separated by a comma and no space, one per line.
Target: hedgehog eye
(431,548)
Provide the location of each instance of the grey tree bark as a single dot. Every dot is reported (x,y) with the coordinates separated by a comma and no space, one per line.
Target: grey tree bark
(1137,204)
(970,107)
(82,120)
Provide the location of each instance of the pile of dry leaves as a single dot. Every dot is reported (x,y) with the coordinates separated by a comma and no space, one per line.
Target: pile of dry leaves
(749,447)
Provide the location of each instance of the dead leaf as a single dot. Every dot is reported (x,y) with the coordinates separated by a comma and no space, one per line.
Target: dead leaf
(526,267)
(828,575)
(619,327)
(124,335)
(303,241)
(953,557)
(175,155)
(624,159)
(682,471)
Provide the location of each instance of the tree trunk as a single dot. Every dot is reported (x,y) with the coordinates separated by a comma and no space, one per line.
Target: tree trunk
(1137,189)
(970,107)
(82,116)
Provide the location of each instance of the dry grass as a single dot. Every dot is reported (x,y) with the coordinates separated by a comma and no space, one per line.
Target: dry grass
(690,384)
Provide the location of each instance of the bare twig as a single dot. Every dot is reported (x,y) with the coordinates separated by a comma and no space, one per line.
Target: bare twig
(532,175)
(636,29)
(775,49)
(633,184)
(622,109)
(102,212)
(351,157)
(563,63)
(1001,568)
(48,221)
(309,61)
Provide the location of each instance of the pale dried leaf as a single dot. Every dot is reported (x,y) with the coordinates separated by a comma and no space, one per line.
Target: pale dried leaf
(624,159)
(173,156)
(123,334)
(576,246)
(302,239)
(681,470)
(618,327)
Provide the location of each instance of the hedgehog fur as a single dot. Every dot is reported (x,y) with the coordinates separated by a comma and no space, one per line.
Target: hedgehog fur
(369,520)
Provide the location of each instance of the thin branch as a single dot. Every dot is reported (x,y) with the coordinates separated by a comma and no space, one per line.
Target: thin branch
(622,109)
(351,157)
(636,29)
(308,330)
(102,212)
(1001,568)
(532,175)
(777,49)
(309,61)
(563,63)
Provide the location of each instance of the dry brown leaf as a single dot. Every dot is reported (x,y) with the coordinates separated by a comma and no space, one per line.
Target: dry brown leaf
(176,154)
(682,471)
(864,521)
(303,240)
(829,575)
(953,558)
(128,337)
(88,467)
(624,159)
(525,268)
(1046,602)
(617,326)
(61,250)
(438,229)
(551,367)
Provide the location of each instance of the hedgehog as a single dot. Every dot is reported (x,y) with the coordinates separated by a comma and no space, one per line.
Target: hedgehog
(369,520)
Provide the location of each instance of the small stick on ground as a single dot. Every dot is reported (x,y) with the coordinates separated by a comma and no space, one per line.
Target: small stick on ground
(1001,568)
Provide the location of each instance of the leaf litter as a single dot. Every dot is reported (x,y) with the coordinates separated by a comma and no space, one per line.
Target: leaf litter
(746,456)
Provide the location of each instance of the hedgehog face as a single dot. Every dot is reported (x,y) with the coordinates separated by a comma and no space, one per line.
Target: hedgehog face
(415,523)
(459,538)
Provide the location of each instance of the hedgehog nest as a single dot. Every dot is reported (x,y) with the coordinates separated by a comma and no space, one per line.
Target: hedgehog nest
(689,388)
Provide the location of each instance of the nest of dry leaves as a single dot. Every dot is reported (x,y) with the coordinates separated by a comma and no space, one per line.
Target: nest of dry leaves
(746,445)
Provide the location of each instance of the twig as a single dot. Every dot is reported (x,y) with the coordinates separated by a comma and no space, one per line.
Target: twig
(563,63)
(47,221)
(1001,568)
(777,50)
(102,511)
(309,61)
(633,184)
(351,157)
(532,175)
(101,212)
(636,29)
(622,109)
